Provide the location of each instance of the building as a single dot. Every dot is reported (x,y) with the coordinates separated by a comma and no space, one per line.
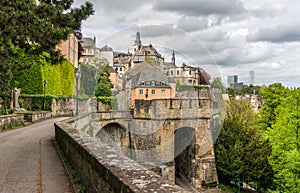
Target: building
(107,53)
(233,79)
(69,48)
(186,75)
(90,51)
(145,53)
(151,83)
(237,86)
(251,78)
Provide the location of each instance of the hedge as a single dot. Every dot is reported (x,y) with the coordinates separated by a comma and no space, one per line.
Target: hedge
(60,77)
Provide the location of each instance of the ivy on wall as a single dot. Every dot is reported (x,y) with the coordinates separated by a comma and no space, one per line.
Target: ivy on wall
(60,77)
(87,80)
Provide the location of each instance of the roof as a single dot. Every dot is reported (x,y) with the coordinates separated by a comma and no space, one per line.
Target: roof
(106,48)
(148,49)
(148,75)
(88,43)
(169,65)
(125,60)
(137,68)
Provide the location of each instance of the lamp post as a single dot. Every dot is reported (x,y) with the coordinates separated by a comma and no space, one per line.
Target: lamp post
(77,74)
(44,104)
(239,184)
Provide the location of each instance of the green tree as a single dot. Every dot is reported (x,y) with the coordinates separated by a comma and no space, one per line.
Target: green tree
(241,152)
(103,90)
(27,27)
(284,139)
(272,96)
(216,83)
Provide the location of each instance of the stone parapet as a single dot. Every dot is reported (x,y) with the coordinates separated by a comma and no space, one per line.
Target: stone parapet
(37,116)
(103,168)
(7,121)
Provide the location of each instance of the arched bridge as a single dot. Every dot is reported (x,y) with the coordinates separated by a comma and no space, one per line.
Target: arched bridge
(174,137)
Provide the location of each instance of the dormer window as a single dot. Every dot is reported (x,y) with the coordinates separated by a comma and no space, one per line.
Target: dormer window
(143,82)
(153,83)
(163,83)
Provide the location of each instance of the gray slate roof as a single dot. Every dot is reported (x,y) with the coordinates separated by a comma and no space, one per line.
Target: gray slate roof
(147,75)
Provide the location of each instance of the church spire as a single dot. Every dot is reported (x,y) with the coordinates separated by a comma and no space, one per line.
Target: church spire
(173,57)
(137,41)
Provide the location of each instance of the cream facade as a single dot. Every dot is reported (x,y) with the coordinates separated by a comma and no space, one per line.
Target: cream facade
(69,49)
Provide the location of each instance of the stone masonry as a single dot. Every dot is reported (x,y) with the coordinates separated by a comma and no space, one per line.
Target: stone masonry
(173,137)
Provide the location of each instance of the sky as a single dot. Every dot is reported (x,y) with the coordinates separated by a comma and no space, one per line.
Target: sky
(224,37)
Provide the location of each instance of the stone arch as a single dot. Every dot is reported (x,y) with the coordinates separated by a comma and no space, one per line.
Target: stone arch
(117,133)
(184,153)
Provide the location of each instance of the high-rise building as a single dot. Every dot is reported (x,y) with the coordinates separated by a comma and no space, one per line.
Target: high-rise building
(233,79)
(251,77)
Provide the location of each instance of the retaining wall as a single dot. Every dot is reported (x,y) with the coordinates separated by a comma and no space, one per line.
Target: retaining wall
(8,121)
(103,169)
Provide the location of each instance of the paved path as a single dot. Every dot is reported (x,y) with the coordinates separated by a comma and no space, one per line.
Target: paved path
(29,162)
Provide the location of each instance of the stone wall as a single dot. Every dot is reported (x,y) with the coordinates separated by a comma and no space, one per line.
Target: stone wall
(37,116)
(148,136)
(8,121)
(103,168)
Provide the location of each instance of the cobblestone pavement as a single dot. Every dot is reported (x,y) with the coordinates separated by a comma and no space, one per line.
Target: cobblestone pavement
(29,162)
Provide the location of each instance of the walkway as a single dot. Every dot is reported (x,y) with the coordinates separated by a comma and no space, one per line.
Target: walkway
(29,162)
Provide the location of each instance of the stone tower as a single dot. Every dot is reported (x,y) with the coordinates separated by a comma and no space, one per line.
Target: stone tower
(173,57)
(137,42)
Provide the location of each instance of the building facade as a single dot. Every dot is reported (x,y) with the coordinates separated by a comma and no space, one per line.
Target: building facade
(69,49)
(90,51)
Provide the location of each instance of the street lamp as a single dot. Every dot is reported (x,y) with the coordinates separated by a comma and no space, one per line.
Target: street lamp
(240,183)
(77,75)
(44,104)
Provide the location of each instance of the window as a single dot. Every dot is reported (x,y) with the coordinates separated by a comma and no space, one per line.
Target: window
(178,72)
(167,73)
(190,72)
(163,92)
(141,91)
(153,91)
(171,72)
(121,69)
(190,81)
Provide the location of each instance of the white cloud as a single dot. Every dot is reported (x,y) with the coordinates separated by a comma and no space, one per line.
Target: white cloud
(239,35)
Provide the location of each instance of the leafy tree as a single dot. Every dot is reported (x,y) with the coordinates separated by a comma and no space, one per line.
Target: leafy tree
(240,150)
(31,28)
(233,92)
(251,89)
(216,83)
(272,96)
(246,90)
(284,139)
(103,88)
